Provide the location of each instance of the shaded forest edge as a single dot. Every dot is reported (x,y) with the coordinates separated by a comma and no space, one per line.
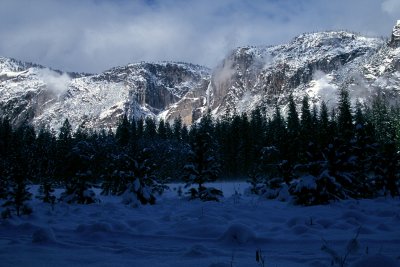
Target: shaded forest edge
(313,156)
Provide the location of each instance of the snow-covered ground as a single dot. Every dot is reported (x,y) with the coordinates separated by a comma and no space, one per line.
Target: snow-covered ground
(177,232)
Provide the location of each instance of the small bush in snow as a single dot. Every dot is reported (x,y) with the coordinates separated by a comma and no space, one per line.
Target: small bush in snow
(137,192)
(46,192)
(133,179)
(311,190)
(79,191)
(205,193)
(256,181)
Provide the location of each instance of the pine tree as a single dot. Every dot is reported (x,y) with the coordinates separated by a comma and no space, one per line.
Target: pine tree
(293,123)
(46,192)
(345,119)
(324,131)
(81,133)
(6,133)
(65,135)
(18,195)
(141,185)
(177,128)
(387,169)
(306,122)
(185,133)
(277,130)
(64,144)
(123,133)
(257,126)
(161,130)
(132,178)
(133,136)
(232,143)
(365,149)
(79,175)
(245,146)
(168,130)
(293,129)
(139,128)
(203,166)
(150,129)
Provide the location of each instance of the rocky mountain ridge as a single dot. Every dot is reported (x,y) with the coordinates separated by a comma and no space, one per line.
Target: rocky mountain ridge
(313,64)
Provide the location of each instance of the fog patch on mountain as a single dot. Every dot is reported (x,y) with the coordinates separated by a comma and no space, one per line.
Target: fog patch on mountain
(265,61)
(224,73)
(322,86)
(359,90)
(55,82)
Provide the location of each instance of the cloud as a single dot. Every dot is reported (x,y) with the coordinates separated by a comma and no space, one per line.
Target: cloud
(55,82)
(323,87)
(392,7)
(95,35)
(224,73)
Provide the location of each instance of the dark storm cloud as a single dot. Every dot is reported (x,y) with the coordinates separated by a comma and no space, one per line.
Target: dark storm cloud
(94,35)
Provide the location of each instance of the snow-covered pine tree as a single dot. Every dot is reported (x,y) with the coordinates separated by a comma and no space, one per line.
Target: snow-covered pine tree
(113,177)
(256,181)
(140,184)
(315,190)
(202,166)
(265,178)
(79,190)
(130,175)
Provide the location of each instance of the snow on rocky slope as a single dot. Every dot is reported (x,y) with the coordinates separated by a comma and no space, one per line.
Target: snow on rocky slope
(48,97)
(313,64)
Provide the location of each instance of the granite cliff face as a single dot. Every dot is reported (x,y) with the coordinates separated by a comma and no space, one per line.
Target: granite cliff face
(395,39)
(46,97)
(313,64)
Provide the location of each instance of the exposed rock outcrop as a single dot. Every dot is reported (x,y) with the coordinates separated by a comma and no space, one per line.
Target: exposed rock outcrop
(395,40)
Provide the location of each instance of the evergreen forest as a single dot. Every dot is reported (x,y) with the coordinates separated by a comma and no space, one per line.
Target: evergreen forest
(313,155)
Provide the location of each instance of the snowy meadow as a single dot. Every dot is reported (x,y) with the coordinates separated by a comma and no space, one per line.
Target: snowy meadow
(178,232)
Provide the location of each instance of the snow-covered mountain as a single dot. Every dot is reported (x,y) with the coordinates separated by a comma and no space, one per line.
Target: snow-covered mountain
(316,64)
(46,97)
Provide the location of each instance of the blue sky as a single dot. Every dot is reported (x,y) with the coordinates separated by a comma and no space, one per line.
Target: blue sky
(94,35)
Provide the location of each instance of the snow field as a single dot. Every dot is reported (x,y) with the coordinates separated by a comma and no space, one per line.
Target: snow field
(178,232)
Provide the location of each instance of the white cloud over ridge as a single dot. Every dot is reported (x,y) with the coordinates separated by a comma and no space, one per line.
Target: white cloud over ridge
(94,35)
(55,82)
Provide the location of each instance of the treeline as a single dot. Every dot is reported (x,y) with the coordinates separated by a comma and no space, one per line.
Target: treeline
(313,154)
